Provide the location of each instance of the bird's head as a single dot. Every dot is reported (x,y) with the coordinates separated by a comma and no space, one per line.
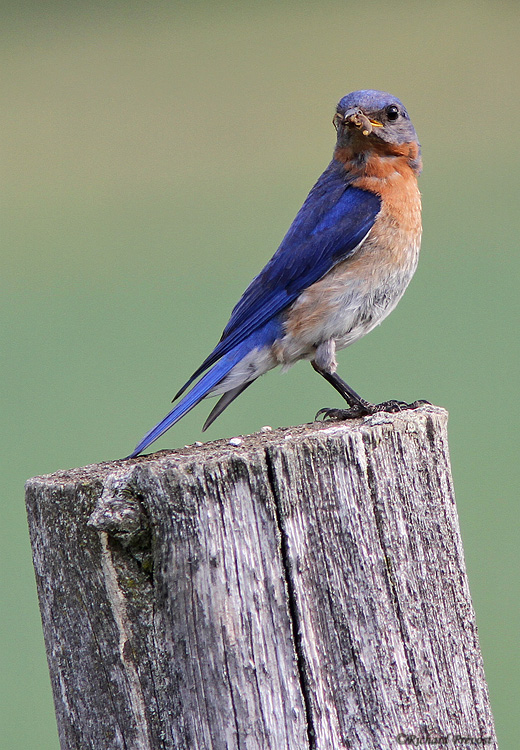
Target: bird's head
(372,115)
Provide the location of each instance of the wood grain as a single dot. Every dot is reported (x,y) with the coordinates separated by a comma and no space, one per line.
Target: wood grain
(303,590)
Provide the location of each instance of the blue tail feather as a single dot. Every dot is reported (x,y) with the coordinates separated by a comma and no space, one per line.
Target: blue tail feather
(209,381)
(264,337)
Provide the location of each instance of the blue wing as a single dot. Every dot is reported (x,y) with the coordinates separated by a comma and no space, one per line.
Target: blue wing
(332,222)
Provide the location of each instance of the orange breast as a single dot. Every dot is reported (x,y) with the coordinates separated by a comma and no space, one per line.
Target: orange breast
(390,171)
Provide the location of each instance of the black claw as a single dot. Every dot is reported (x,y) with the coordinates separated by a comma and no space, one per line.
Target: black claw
(338,415)
(392,406)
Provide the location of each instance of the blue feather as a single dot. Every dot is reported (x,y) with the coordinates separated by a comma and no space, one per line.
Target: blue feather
(259,339)
(330,225)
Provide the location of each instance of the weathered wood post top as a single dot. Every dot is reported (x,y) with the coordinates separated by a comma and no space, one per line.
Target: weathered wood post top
(299,589)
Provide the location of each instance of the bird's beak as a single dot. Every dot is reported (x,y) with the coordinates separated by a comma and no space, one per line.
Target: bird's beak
(356,118)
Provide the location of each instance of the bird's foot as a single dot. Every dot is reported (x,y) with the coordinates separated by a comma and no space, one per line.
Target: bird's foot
(367,409)
(339,415)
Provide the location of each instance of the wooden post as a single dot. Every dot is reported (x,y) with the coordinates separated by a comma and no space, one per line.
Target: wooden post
(301,589)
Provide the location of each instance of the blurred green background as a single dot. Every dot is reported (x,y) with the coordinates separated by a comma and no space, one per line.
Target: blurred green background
(154,155)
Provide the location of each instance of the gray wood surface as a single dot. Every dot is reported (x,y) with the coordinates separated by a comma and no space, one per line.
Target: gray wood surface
(302,590)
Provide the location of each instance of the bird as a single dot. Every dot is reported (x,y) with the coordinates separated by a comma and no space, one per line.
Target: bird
(341,268)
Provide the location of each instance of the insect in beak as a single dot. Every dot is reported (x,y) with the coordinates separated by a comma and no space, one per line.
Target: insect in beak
(356,118)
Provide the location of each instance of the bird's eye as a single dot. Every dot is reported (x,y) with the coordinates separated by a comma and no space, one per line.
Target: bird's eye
(392,112)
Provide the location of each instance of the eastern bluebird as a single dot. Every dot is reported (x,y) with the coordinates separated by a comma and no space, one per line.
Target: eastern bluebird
(341,268)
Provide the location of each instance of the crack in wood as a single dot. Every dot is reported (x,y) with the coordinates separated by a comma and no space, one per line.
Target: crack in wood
(294,614)
(70,712)
(117,602)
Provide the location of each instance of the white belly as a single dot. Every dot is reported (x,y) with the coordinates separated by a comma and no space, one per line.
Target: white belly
(344,314)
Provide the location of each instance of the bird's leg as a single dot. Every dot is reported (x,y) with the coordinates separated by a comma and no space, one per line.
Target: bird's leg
(325,364)
(359,407)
